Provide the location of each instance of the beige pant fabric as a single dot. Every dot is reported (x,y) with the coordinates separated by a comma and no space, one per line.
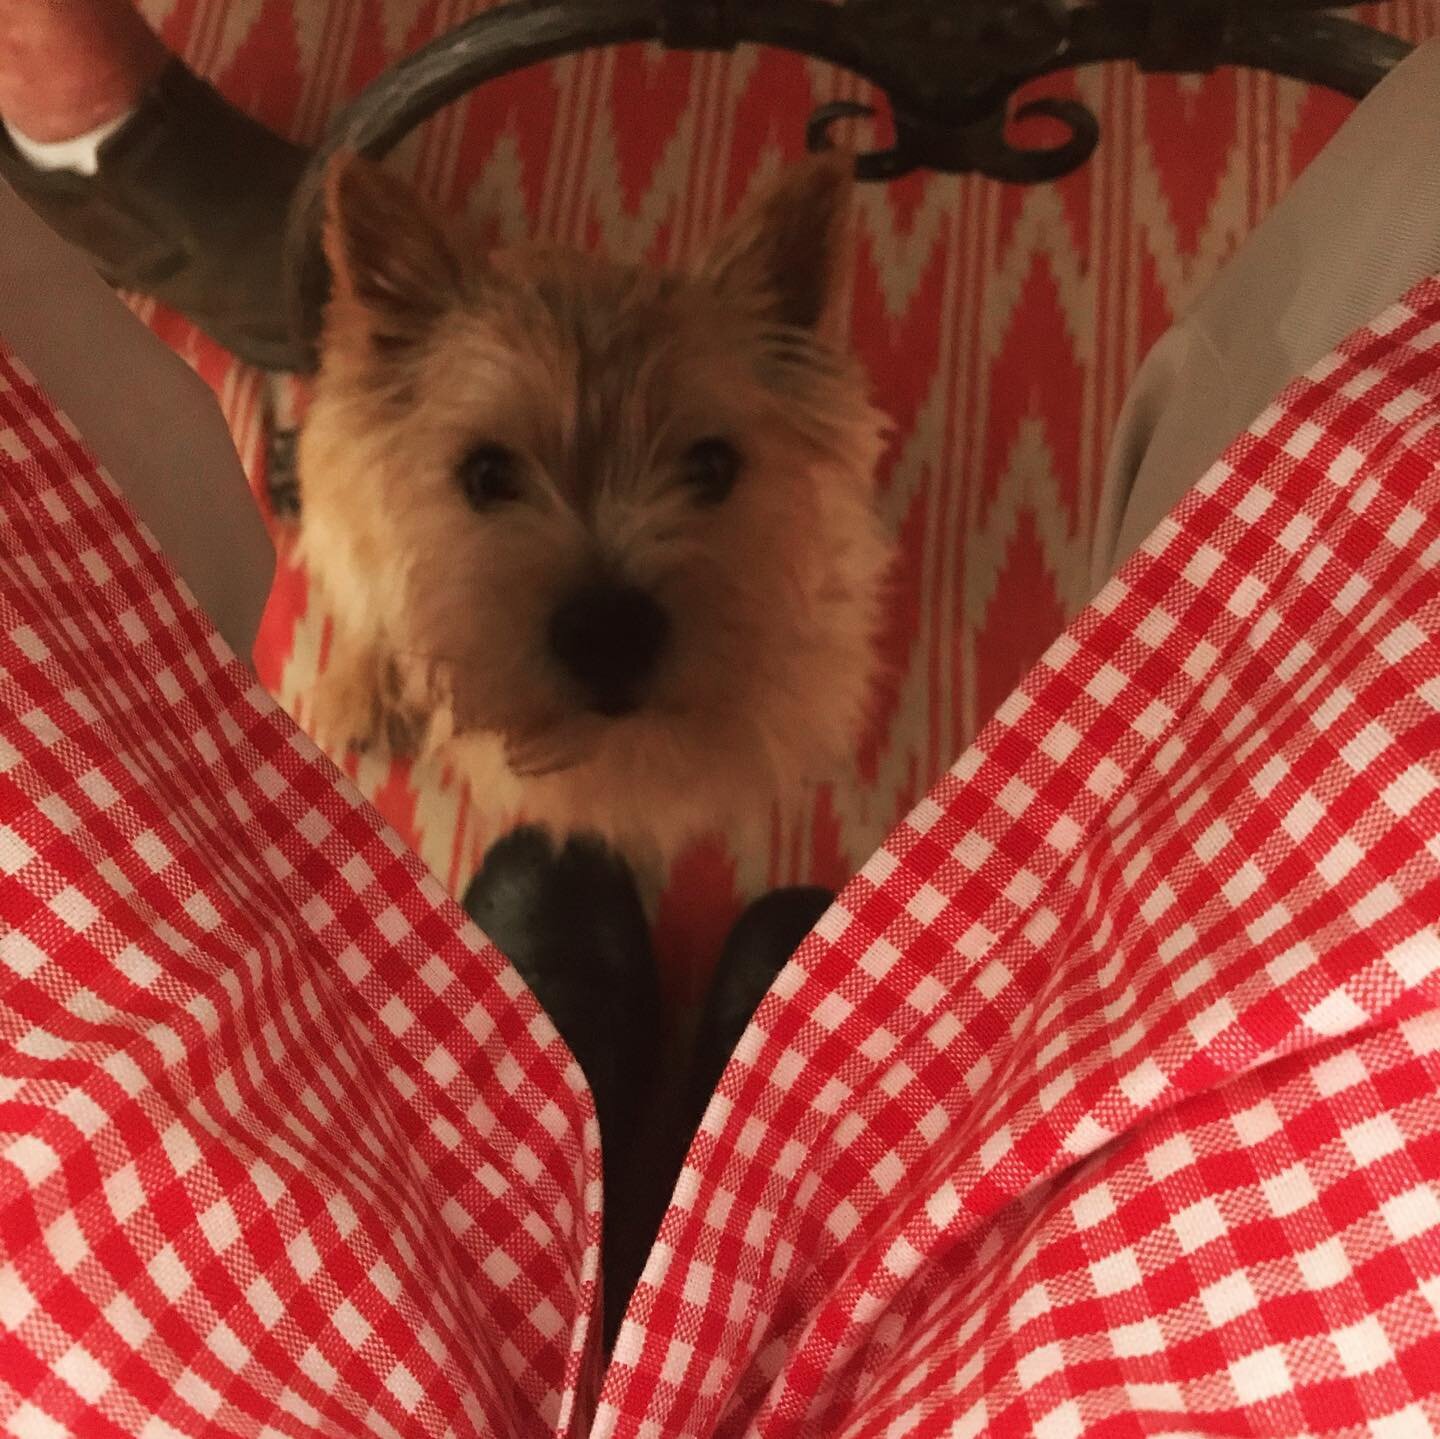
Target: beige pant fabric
(148,418)
(1357,230)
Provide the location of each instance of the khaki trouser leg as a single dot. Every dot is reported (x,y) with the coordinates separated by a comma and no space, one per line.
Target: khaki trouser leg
(147,417)
(1357,230)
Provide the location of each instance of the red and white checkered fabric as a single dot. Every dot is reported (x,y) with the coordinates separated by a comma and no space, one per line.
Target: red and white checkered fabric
(284,1149)
(1105,1101)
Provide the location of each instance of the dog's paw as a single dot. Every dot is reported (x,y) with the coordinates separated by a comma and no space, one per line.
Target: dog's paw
(343,711)
(359,708)
(339,718)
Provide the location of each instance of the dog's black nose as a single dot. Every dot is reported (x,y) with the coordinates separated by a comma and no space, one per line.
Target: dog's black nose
(609,637)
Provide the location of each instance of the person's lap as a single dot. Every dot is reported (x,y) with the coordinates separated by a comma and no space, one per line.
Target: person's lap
(1125,980)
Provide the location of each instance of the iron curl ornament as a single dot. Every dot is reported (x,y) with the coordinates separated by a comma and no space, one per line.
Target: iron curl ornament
(949,70)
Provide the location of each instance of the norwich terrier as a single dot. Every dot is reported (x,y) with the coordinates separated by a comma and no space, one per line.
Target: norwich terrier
(602,536)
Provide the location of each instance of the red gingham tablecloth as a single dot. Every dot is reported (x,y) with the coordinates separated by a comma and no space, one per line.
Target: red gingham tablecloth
(1105,1101)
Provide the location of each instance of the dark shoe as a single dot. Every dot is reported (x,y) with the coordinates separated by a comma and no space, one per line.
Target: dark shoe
(759,944)
(757,948)
(571,922)
(189,206)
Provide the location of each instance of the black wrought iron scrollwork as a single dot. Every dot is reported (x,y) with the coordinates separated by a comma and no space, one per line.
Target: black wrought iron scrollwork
(950,71)
(981,148)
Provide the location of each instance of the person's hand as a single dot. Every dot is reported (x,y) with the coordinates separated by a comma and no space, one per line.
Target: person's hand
(69,66)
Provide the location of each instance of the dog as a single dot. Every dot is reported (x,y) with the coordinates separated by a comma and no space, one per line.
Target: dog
(604,537)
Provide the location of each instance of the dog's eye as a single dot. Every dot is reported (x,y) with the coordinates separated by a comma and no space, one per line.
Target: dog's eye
(489,476)
(711,468)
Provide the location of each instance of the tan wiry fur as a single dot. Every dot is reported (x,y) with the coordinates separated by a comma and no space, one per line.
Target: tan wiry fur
(599,377)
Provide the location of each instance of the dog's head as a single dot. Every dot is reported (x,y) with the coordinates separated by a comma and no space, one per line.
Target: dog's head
(601,509)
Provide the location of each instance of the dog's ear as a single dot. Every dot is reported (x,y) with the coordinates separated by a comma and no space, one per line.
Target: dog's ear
(786,249)
(389,253)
